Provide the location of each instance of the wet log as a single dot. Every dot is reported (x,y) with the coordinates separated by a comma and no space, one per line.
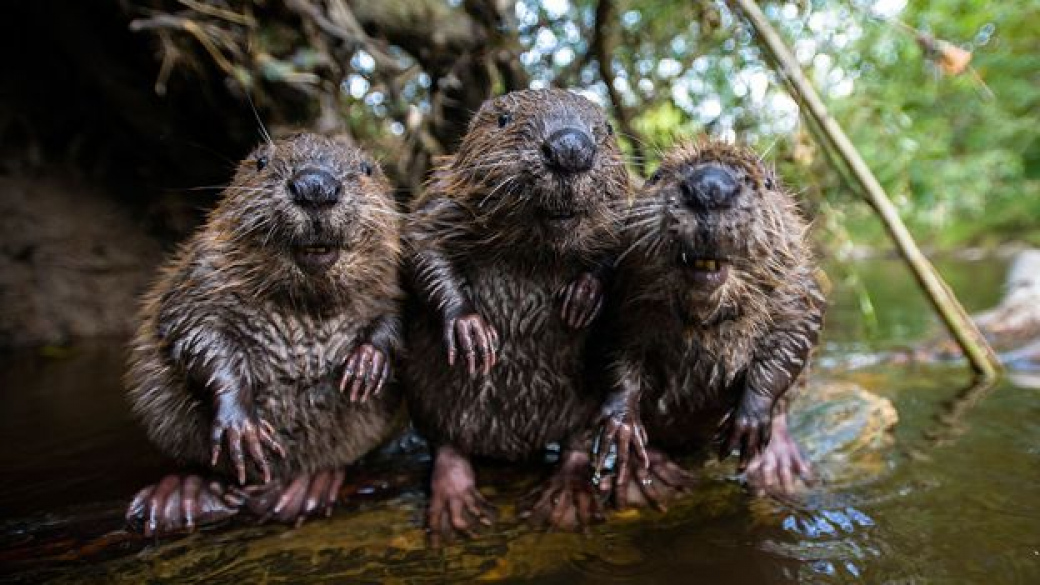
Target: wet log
(1012,327)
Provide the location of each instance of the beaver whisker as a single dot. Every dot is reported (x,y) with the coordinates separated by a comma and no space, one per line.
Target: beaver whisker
(615,163)
(636,244)
(646,226)
(246,231)
(270,233)
(643,217)
(204,188)
(631,137)
(392,213)
(489,163)
(495,190)
(494,164)
(643,204)
(762,155)
(641,213)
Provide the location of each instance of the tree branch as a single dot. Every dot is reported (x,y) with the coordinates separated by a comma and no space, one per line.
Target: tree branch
(602,47)
(341,24)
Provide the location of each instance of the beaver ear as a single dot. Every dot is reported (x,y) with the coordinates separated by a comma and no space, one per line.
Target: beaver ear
(366,168)
(261,162)
(654,178)
(610,129)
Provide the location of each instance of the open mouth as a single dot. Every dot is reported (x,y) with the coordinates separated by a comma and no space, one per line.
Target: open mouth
(315,257)
(707,272)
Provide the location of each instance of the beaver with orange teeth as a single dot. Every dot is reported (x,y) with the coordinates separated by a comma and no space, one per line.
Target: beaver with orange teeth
(264,349)
(717,261)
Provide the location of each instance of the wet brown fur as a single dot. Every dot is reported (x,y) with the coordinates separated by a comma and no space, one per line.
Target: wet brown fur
(476,240)
(232,294)
(694,354)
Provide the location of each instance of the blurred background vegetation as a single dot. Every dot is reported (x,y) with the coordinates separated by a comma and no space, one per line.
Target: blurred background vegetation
(152,101)
(960,154)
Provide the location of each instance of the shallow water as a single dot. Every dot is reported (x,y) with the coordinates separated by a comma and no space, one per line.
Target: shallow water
(954,498)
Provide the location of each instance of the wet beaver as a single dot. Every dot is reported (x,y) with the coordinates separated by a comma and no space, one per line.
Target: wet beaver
(508,251)
(716,311)
(264,347)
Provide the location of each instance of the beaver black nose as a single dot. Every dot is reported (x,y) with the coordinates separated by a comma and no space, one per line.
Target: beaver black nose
(570,150)
(710,187)
(314,188)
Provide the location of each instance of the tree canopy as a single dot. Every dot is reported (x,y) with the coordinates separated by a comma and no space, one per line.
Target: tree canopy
(956,148)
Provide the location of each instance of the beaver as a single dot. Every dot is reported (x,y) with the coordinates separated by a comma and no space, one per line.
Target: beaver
(718,262)
(264,347)
(509,250)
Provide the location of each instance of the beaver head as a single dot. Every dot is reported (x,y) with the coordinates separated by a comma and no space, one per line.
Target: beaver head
(720,229)
(540,169)
(306,212)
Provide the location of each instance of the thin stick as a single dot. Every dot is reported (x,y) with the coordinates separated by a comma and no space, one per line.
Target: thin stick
(981,356)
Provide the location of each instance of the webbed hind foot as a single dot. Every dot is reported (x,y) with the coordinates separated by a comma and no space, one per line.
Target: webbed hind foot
(567,501)
(456,507)
(294,501)
(180,503)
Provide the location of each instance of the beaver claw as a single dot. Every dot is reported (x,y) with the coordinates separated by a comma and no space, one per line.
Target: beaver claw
(181,503)
(306,496)
(471,334)
(455,504)
(582,301)
(662,481)
(777,469)
(748,428)
(240,427)
(366,372)
(567,501)
(622,433)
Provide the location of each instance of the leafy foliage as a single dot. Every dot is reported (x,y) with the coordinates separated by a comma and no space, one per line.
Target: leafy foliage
(959,154)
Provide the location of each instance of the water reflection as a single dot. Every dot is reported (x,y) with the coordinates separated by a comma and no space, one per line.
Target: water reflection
(830,542)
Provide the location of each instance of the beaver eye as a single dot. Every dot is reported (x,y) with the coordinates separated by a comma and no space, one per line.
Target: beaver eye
(504,119)
(770,183)
(366,168)
(261,163)
(610,129)
(654,178)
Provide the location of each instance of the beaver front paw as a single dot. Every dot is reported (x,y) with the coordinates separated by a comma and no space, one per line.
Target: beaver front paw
(471,334)
(181,503)
(366,372)
(239,428)
(747,428)
(776,471)
(582,301)
(621,434)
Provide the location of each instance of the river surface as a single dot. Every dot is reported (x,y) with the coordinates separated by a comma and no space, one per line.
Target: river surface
(954,497)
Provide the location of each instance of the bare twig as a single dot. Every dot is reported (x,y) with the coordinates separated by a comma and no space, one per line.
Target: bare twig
(983,360)
(217,12)
(602,47)
(207,36)
(341,24)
